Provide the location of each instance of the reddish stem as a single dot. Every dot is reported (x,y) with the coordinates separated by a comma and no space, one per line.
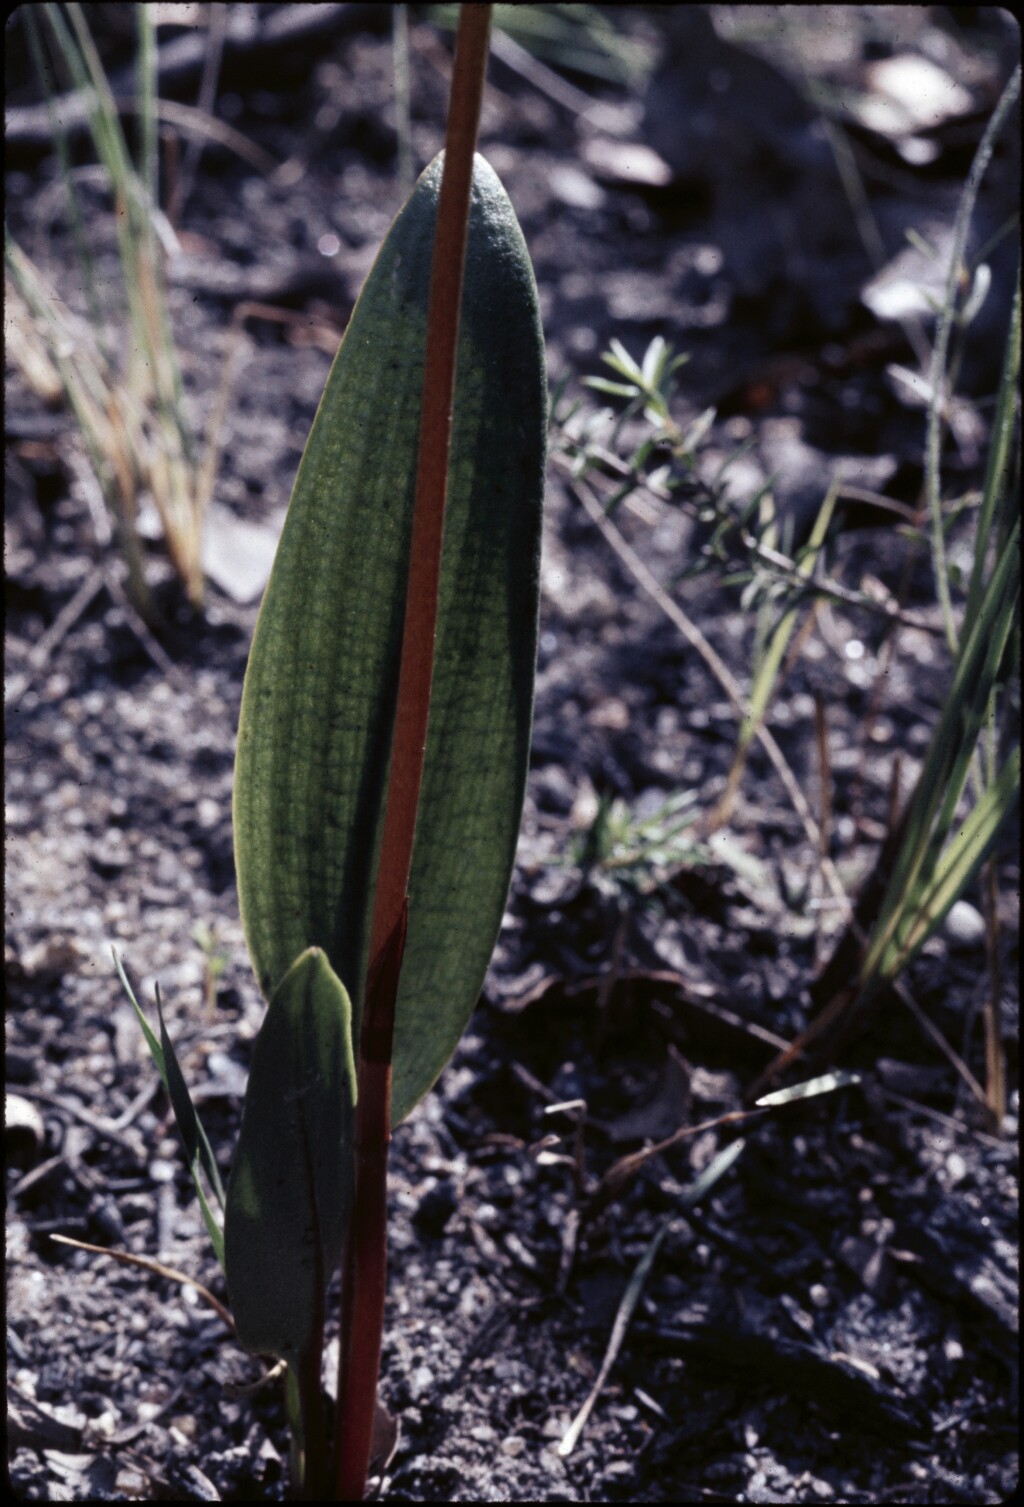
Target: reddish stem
(417,664)
(364,1276)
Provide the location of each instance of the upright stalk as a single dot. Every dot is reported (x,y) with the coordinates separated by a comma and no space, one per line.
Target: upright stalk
(364,1273)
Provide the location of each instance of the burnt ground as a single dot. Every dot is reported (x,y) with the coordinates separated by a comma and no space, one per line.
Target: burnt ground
(836,1318)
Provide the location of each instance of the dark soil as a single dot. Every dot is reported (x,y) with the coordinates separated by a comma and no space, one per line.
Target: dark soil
(836,1318)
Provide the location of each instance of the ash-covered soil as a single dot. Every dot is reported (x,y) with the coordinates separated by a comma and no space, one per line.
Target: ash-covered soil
(836,1318)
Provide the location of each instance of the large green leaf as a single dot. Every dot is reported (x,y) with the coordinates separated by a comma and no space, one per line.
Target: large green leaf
(290,1192)
(318,705)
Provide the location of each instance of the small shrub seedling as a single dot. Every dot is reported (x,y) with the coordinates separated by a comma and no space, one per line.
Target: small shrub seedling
(381,767)
(968,788)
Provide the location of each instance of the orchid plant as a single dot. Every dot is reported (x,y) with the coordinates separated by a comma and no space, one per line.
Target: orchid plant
(381,767)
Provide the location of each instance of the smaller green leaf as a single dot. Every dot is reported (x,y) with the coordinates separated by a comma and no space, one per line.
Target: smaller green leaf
(181,1100)
(197,1147)
(713,1172)
(655,357)
(213,1229)
(691,1196)
(155,1049)
(619,359)
(641,455)
(697,431)
(810,1089)
(617,389)
(290,1191)
(919,243)
(979,292)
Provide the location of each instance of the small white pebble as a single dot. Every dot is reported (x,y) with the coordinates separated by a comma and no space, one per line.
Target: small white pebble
(965,925)
(421,1382)
(956,1167)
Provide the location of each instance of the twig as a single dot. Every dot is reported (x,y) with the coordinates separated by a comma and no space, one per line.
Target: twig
(200,126)
(105,1128)
(540,76)
(250,1388)
(825,769)
(104,538)
(207,97)
(888,607)
(62,624)
(181,61)
(67,617)
(625,1169)
(937,1039)
(689,1198)
(157,1267)
(863,215)
(31,1427)
(941,1119)
(149,1090)
(630,1298)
